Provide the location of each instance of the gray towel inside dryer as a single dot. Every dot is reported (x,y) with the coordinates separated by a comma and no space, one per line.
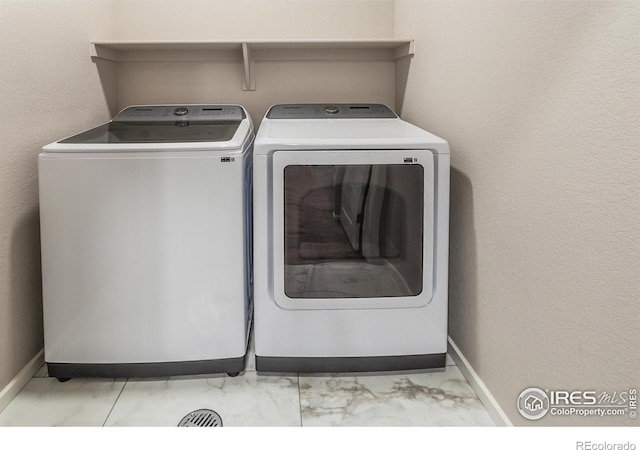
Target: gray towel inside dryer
(361,201)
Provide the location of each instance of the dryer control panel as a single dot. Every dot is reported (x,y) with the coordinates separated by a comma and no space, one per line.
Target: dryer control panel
(331,111)
(177,113)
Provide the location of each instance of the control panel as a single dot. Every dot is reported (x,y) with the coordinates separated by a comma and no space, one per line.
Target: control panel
(331,111)
(177,113)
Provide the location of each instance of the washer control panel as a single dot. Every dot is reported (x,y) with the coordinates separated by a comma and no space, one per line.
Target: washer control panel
(176,113)
(331,111)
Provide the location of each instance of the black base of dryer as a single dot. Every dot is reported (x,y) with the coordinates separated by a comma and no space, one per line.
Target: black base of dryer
(350,364)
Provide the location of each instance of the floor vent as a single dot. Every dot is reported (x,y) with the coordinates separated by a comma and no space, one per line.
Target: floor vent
(201,418)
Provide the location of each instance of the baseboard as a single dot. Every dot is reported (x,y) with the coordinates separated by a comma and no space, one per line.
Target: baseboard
(490,403)
(20,380)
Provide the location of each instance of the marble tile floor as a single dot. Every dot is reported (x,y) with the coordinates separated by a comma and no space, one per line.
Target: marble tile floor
(396,399)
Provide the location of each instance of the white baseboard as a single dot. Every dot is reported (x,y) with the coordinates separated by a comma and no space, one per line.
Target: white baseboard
(20,380)
(490,403)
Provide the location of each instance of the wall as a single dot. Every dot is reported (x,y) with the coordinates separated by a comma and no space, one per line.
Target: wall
(49,88)
(539,102)
(276,82)
(252,19)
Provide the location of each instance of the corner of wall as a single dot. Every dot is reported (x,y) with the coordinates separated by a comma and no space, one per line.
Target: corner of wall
(485,396)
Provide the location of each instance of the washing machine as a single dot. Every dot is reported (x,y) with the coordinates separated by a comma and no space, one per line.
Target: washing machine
(146,244)
(351,217)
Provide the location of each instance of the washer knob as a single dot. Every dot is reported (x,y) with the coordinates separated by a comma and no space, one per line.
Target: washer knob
(331,109)
(181,111)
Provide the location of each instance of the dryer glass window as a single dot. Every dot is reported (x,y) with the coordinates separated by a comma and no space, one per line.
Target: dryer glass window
(353,231)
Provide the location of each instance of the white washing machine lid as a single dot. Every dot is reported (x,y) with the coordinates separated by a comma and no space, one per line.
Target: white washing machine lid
(147,128)
(311,127)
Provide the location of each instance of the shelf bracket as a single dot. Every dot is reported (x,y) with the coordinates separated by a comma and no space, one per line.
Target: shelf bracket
(407,49)
(248,76)
(97,51)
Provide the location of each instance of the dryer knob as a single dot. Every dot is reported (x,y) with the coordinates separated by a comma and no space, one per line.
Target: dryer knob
(181,111)
(331,109)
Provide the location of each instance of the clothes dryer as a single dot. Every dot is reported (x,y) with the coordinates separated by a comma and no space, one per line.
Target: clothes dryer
(351,215)
(146,244)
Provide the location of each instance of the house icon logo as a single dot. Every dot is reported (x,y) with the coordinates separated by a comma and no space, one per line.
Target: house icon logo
(533,403)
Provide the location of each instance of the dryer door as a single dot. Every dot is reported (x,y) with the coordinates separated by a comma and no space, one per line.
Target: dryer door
(353,229)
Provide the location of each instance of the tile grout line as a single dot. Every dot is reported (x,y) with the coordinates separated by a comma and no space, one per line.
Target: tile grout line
(114,403)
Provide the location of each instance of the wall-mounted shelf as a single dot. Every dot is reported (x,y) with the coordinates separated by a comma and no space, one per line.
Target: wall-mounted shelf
(249,52)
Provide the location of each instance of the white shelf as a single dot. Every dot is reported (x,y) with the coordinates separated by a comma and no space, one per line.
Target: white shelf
(248,52)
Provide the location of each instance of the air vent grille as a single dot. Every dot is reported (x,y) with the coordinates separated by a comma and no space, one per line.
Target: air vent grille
(201,418)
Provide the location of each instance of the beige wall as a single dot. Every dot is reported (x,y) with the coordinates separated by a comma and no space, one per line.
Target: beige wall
(48,89)
(276,82)
(252,19)
(539,101)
